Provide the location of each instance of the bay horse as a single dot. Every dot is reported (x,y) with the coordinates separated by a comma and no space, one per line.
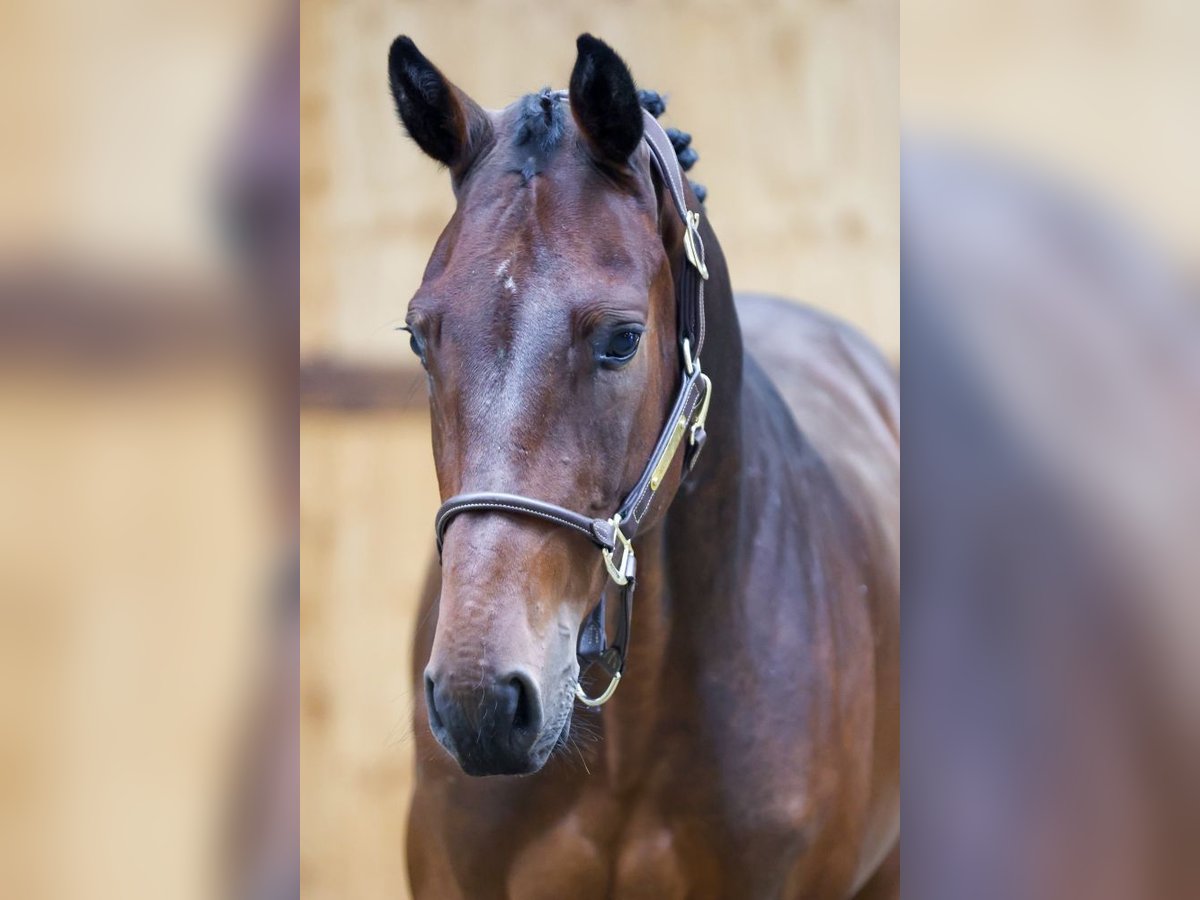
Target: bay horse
(752,748)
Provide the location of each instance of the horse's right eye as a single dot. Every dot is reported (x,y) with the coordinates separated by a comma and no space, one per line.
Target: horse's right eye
(416,343)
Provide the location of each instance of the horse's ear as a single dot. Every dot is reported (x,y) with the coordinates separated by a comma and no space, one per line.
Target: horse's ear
(446,123)
(604,101)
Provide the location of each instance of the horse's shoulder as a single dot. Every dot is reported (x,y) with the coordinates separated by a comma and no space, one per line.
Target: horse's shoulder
(844,399)
(842,392)
(803,347)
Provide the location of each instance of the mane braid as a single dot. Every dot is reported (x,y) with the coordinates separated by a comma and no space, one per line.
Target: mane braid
(542,121)
(656,104)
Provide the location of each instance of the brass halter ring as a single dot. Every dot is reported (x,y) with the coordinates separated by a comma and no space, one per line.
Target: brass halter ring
(603,698)
(619,573)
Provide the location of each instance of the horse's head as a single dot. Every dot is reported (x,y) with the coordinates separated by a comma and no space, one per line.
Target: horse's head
(546,323)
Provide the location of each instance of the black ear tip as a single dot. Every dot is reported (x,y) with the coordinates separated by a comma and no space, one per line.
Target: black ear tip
(403,44)
(596,57)
(590,45)
(402,50)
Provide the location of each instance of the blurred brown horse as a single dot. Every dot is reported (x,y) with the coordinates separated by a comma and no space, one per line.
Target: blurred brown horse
(753,747)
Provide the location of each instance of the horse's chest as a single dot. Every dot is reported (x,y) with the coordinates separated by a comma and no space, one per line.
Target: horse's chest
(662,839)
(646,859)
(652,862)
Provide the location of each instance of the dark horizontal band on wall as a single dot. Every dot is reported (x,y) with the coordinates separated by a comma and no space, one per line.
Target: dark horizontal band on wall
(343,385)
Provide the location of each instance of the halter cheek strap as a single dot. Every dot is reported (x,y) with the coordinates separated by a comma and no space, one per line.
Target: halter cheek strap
(614,536)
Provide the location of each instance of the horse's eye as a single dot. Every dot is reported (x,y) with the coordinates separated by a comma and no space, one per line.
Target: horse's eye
(416,343)
(622,346)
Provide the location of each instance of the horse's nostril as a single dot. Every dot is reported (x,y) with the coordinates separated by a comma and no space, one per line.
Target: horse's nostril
(489,727)
(526,708)
(522,716)
(431,704)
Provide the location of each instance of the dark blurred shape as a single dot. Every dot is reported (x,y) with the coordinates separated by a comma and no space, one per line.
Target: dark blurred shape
(148,615)
(260,205)
(1051,520)
(259,189)
(90,317)
(333,384)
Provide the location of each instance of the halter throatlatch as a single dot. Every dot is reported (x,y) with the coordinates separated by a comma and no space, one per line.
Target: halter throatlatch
(614,536)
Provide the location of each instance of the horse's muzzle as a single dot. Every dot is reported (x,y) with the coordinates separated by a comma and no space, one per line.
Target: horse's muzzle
(489,725)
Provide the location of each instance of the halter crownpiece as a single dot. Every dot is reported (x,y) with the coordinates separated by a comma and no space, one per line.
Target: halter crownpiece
(614,536)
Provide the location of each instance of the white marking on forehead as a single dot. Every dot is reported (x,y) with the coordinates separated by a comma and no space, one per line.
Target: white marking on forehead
(510,286)
(516,376)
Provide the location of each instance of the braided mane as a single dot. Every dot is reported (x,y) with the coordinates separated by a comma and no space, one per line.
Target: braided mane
(541,127)
(656,104)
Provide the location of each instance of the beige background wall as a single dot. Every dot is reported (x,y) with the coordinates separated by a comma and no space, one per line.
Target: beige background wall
(1103,95)
(793,108)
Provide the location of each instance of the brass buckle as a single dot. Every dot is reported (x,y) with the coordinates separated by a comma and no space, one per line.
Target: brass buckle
(690,235)
(619,573)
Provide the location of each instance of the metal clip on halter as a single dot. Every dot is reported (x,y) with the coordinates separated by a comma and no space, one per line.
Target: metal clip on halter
(690,237)
(692,367)
(696,434)
(619,573)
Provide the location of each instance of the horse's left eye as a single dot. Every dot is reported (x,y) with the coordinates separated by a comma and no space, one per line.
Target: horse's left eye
(622,346)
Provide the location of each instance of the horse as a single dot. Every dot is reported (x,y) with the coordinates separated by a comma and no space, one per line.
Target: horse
(751,749)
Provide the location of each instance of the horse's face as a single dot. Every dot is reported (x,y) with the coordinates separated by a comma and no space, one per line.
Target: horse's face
(545,321)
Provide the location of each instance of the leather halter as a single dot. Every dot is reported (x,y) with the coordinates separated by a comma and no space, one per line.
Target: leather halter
(614,536)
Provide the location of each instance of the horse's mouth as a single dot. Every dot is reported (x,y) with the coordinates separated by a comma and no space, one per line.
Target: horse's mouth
(552,741)
(564,734)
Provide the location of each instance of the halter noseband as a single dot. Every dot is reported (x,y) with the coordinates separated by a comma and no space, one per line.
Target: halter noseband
(614,536)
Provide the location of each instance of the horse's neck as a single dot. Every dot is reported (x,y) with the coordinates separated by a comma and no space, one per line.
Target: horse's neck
(683,579)
(690,602)
(702,510)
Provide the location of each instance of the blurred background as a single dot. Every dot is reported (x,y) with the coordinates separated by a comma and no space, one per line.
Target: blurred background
(148,258)
(1051,385)
(793,110)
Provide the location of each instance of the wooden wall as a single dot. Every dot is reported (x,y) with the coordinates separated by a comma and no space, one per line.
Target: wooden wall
(367,502)
(793,108)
